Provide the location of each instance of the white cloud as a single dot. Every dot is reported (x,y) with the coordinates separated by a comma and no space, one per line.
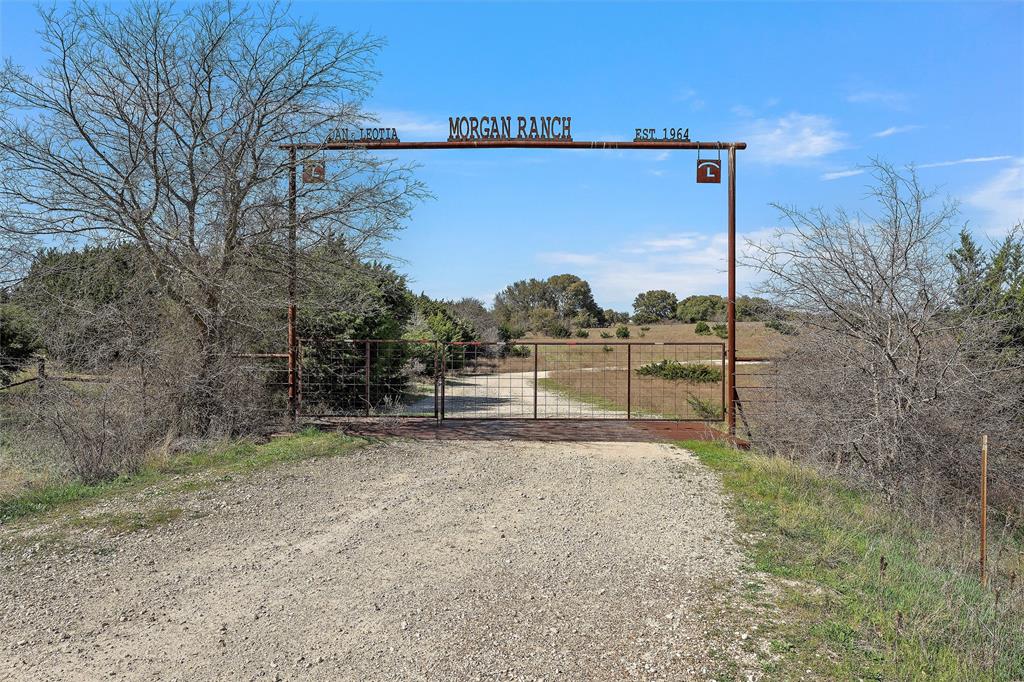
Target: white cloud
(742,111)
(567,258)
(412,126)
(683,241)
(1001,199)
(794,138)
(684,263)
(896,130)
(835,175)
(976,159)
(891,100)
(689,95)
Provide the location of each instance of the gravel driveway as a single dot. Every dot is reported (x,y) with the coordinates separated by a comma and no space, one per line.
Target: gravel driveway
(402,561)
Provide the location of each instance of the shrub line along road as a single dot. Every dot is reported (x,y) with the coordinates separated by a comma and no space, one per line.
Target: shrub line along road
(400,561)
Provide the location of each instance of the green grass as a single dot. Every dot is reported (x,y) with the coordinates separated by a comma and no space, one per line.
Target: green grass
(923,617)
(224,460)
(120,523)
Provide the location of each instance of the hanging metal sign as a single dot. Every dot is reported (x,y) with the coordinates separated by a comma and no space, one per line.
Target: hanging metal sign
(709,170)
(314,170)
(501,128)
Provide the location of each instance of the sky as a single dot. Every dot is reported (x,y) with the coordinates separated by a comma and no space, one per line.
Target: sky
(816,90)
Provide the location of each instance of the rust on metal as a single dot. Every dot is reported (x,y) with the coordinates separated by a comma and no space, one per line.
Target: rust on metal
(536,361)
(314,170)
(984,505)
(731,302)
(293,340)
(629,382)
(709,171)
(514,144)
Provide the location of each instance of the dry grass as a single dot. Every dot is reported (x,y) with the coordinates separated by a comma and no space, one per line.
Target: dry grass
(753,339)
(652,397)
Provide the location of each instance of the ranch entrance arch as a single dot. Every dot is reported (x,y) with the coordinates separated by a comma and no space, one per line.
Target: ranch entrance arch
(526,403)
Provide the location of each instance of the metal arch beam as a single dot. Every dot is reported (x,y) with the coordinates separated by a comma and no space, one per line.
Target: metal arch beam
(513,144)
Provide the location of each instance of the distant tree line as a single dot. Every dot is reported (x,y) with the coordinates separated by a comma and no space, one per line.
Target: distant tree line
(659,305)
(554,307)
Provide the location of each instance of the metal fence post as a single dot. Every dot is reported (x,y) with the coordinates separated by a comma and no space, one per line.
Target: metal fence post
(724,370)
(367,347)
(984,506)
(629,380)
(437,379)
(444,362)
(536,359)
(298,379)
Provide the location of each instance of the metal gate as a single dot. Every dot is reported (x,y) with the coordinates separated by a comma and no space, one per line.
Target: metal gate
(519,380)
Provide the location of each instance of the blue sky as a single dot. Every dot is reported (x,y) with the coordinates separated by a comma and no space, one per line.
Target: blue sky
(815,89)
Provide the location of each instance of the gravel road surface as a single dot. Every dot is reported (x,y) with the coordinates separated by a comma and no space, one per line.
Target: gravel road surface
(405,560)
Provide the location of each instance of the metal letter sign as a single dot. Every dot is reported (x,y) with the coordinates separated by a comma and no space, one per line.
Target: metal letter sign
(314,171)
(709,170)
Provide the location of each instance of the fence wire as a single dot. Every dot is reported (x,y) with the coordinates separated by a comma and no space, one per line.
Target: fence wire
(519,380)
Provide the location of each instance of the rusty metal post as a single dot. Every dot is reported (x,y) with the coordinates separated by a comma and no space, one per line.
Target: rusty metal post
(722,365)
(437,379)
(444,362)
(293,396)
(984,505)
(731,302)
(298,379)
(629,381)
(536,359)
(367,380)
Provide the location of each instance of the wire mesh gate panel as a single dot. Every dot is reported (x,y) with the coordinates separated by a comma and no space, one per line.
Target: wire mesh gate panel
(347,378)
(541,380)
(583,380)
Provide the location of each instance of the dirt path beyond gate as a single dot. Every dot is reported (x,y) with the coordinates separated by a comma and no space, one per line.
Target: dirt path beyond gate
(405,560)
(511,395)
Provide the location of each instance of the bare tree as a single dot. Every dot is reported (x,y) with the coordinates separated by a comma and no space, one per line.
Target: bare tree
(165,127)
(887,374)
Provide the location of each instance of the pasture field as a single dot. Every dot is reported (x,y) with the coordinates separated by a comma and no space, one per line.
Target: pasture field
(654,396)
(753,339)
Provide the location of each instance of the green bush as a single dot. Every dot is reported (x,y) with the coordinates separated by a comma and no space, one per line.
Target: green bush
(606,335)
(582,334)
(721,331)
(514,351)
(507,332)
(18,341)
(702,329)
(622,331)
(673,370)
